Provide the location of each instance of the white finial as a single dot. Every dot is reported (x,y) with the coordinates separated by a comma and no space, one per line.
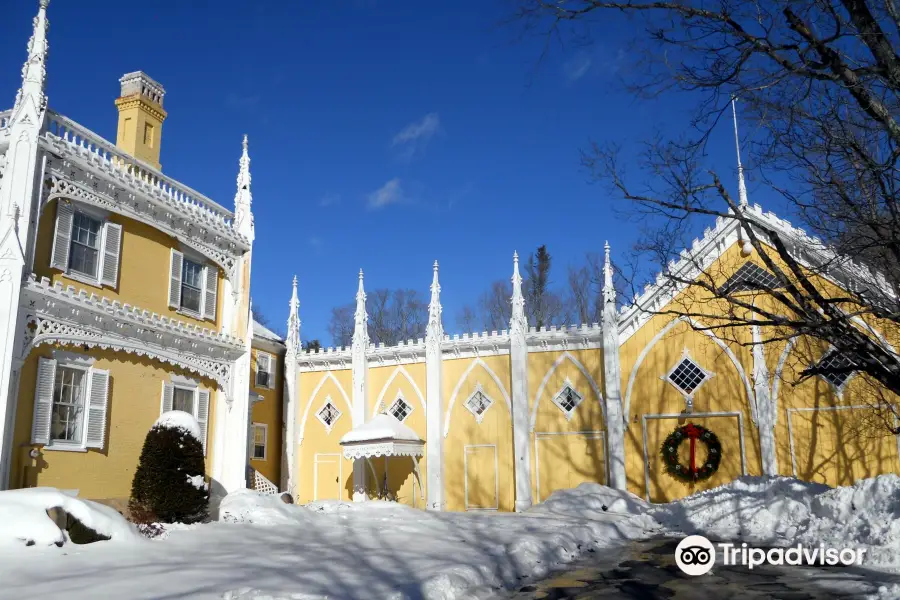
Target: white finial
(361,317)
(742,188)
(243,198)
(435,329)
(292,341)
(518,321)
(609,290)
(34,71)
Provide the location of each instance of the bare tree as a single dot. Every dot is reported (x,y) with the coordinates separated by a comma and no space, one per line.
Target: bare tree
(583,300)
(818,80)
(394,316)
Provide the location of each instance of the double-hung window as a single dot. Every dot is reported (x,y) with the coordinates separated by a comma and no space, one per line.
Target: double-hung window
(264,378)
(193,286)
(70,404)
(185,395)
(86,247)
(260,431)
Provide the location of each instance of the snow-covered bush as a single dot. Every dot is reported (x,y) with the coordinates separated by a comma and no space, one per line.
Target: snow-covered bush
(168,485)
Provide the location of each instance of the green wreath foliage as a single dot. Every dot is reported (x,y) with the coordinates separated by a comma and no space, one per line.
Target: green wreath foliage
(683,473)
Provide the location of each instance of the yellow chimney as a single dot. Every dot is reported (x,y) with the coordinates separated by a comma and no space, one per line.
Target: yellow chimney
(141,116)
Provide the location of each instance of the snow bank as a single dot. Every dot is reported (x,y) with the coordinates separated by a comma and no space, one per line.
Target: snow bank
(178,419)
(783,511)
(250,506)
(24,519)
(590,500)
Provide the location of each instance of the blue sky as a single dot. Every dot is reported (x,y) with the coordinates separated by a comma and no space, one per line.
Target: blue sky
(383,135)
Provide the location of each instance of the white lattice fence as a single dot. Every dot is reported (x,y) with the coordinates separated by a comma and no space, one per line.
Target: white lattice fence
(261,484)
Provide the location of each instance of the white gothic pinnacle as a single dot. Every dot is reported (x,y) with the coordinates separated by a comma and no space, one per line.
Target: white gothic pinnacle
(518,321)
(435,327)
(742,188)
(34,71)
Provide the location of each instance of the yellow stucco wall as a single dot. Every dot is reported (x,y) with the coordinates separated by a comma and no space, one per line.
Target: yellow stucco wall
(478,457)
(143,268)
(385,385)
(135,394)
(269,412)
(566,452)
(322,471)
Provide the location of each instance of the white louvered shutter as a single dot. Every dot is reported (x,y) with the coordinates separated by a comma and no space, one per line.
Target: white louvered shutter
(112,245)
(175,265)
(203,414)
(62,239)
(209,296)
(98,401)
(168,396)
(43,401)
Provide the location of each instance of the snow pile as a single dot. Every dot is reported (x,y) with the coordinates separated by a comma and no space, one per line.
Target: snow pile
(783,511)
(381,427)
(197,481)
(865,514)
(250,506)
(24,519)
(590,500)
(178,419)
(333,506)
(752,509)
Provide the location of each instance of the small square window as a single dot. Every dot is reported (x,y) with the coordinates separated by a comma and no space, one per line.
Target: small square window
(844,368)
(687,376)
(259,441)
(568,400)
(400,409)
(191,286)
(328,415)
(84,254)
(478,403)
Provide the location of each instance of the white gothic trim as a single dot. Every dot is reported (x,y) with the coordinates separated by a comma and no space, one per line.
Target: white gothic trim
(546,380)
(462,379)
(748,389)
(393,448)
(398,371)
(328,375)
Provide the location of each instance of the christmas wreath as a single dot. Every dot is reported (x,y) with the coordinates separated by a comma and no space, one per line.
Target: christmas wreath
(690,473)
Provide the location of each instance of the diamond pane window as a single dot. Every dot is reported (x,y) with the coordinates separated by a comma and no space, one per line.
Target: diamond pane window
(477,404)
(568,400)
(843,368)
(687,376)
(328,414)
(400,409)
(750,277)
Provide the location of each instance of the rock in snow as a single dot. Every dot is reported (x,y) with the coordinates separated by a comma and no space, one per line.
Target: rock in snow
(24,520)
(178,419)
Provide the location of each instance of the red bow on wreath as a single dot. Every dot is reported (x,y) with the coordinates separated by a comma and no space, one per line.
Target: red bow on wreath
(693,434)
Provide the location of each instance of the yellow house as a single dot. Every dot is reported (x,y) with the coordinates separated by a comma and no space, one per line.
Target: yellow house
(123,293)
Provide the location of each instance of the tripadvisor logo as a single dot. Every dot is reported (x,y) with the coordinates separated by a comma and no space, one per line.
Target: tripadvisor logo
(696,555)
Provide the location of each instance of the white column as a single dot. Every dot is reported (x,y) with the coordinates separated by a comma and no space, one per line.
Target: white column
(612,379)
(360,370)
(518,352)
(290,399)
(765,412)
(19,194)
(434,453)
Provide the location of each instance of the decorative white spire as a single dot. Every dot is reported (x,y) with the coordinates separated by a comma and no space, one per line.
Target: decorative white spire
(435,329)
(243,199)
(293,323)
(34,71)
(609,290)
(518,322)
(742,188)
(361,317)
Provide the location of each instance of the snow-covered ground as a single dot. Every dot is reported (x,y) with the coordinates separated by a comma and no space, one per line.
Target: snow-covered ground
(262,548)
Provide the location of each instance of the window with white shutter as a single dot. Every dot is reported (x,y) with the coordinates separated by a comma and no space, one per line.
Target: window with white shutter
(190,399)
(86,246)
(70,405)
(175,264)
(203,415)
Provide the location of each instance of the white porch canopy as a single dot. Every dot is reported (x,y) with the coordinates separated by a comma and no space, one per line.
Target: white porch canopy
(382,435)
